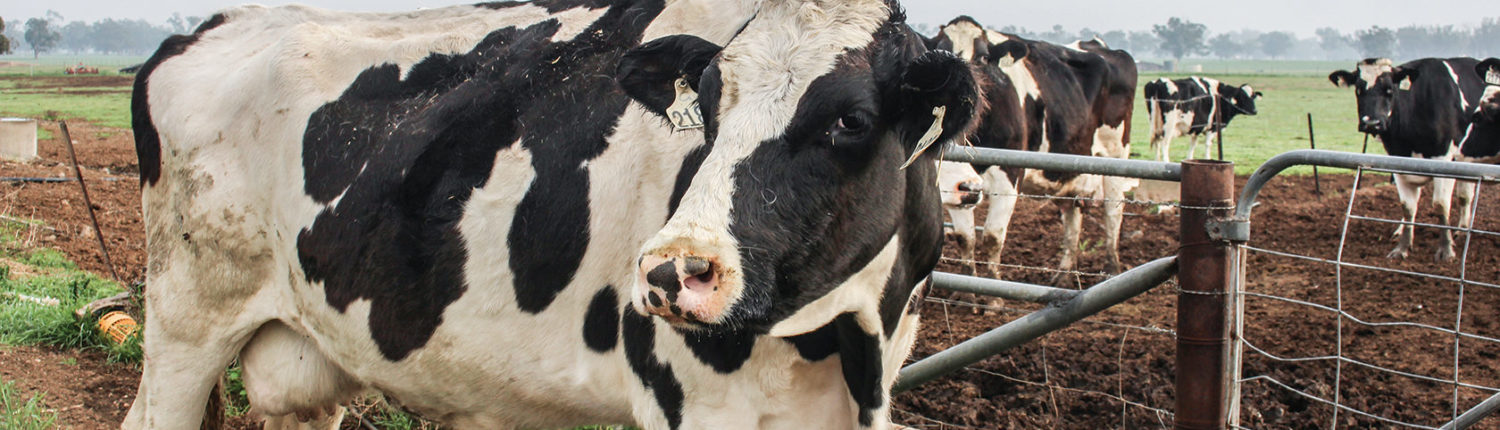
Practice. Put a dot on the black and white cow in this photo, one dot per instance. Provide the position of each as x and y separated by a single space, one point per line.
1481 143
1194 107
502 215
1419 109
1073 99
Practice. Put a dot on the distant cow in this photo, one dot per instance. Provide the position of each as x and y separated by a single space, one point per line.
1481 142
1043 97
1419 109
1194 107
682 214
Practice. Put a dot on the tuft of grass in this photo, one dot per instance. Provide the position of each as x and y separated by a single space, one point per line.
27 323
18 412
106 109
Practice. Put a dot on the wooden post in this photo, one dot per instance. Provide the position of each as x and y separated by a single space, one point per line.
1205 377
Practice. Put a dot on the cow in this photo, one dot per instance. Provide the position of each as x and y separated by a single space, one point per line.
1418 109
1194 107
1074 99
668 214
1481 142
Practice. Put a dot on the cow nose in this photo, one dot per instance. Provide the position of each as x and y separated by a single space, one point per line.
681 289
970 193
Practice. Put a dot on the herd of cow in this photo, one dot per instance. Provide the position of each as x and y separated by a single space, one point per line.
665 213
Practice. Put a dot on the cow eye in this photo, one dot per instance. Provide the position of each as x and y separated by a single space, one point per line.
851 125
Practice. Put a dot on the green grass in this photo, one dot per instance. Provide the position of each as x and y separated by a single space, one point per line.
106 109
18 412
1280 126
51 275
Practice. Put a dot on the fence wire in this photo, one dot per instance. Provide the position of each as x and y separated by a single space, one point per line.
1344 390
1054 376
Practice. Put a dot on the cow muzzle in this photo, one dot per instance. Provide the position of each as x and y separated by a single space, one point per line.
970 193
685 290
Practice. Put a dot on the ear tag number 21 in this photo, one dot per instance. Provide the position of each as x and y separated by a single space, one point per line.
684 112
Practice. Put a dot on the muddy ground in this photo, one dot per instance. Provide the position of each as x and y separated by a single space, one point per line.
1071 379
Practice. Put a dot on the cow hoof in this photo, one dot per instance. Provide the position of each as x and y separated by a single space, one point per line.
1445 255
1397 254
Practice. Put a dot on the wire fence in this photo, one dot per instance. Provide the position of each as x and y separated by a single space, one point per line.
1390 343
1120 357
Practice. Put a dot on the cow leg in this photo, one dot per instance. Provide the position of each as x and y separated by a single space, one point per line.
187 348
963 233
1192 147
1072 216
1409 188
1002 207
1442 197
1208 145
1114 216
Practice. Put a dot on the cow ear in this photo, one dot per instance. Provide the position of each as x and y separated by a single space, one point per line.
1343 78
940 101
1258 95
649 73
1008 53
1489 70
1404 76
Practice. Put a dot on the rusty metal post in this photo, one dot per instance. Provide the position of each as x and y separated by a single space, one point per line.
1205 378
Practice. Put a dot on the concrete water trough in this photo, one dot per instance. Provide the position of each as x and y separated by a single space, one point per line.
18 139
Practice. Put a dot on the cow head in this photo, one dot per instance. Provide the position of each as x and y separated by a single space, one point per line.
1489 104
965 37
1376 83
960 185
810 114
1243 98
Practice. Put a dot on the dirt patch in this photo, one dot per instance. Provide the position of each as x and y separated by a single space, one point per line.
84 390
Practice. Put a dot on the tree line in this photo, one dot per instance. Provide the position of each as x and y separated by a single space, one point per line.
50 33
1180 38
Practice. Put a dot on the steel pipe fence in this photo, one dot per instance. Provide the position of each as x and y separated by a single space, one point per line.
1353 324
1059 306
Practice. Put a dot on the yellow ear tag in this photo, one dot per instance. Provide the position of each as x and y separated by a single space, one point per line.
684 112
931 137
1406 84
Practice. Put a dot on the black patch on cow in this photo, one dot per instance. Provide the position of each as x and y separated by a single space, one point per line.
859 354
405 155
553 6
147 141
601 325
725 351
640 341
818 344
664 276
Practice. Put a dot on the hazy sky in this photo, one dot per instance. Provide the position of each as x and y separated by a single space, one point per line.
1301 16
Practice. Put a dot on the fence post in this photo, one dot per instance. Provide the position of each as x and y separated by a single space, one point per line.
1205 379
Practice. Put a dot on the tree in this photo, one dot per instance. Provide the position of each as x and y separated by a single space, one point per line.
1485 36
4 41
1376 42
1180 37
1144 43
1331 40
40 36
1224 46
1276 43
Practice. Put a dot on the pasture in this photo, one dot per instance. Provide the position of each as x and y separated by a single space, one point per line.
1112 371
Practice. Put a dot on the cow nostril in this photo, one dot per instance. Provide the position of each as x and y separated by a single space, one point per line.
968 186
696 266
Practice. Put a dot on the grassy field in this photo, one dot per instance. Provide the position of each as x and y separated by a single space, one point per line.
1281 124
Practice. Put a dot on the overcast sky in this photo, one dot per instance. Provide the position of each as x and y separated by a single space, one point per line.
1300 16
